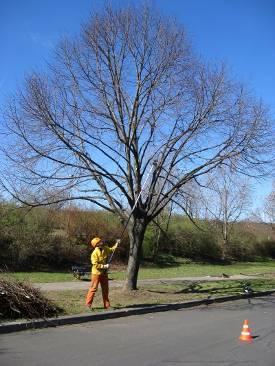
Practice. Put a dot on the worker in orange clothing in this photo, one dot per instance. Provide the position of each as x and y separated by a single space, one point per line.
99 275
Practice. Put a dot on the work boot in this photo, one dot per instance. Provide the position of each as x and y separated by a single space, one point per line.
106 304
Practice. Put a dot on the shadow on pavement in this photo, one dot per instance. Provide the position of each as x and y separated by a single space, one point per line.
261 302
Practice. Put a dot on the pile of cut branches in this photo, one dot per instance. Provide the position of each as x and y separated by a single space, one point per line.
21 300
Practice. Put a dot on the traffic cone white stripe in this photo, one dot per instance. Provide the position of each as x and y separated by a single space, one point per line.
246 333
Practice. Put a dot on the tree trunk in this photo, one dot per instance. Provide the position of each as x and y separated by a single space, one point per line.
136 233
225 240
156 245
223 249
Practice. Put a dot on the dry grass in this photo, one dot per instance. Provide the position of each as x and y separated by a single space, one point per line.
73 302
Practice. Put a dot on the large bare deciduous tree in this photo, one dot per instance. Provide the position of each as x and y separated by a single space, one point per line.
127 93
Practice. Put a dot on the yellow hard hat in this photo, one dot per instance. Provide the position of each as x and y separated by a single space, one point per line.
95 241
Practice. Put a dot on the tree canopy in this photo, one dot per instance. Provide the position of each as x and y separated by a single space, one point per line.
127 93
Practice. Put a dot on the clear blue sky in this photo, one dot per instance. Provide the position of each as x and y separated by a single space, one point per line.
239 32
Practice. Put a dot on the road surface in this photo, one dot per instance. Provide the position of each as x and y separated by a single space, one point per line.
207 336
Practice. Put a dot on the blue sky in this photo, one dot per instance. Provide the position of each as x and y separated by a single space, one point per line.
238 32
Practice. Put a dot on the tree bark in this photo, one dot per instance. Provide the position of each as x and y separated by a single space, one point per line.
136 233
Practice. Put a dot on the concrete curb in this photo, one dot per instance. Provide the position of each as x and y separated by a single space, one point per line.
87 317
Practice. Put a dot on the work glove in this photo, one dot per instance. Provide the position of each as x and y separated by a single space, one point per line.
117 243
106 266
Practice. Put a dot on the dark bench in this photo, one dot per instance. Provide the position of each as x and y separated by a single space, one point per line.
80 271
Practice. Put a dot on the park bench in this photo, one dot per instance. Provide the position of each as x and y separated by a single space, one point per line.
80 271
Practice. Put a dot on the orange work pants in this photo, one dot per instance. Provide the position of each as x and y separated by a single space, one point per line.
101 279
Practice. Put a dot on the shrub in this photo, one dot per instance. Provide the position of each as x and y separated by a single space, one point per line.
186 240
266 248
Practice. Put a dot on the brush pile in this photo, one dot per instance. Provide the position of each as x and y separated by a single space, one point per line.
21 300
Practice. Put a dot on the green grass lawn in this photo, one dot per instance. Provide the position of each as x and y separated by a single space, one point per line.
73 302
196 269
155 272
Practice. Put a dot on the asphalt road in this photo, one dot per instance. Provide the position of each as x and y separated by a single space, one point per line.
207 335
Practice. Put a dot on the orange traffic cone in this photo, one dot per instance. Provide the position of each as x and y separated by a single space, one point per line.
246 333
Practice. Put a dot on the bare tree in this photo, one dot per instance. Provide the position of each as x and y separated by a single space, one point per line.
127 93
188 199
269 207
227 197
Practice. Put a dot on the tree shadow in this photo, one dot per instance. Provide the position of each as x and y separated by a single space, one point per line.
196 288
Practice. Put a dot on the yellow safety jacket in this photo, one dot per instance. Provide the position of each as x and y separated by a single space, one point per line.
99 258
